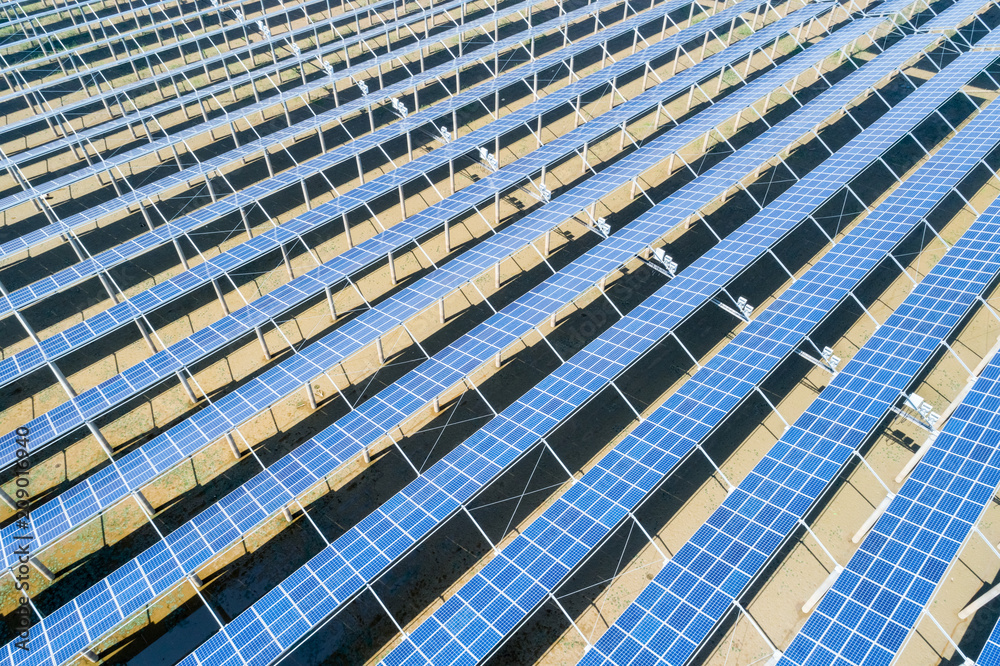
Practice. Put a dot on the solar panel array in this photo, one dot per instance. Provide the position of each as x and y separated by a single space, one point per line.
111 484
880 595
398 236
66 77
734 544
352 561
526 571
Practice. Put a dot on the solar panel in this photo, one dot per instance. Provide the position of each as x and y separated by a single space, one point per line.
246 150
544 554
990 656
95 401
879 596
955 15
678 610
341 570
73 626
55 517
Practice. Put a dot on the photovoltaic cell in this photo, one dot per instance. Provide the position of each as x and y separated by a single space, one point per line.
36 56
678 610
72 627
96 401
520 578
338 572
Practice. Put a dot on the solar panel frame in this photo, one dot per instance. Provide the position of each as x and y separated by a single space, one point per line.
545 553
69 415
330 578
663 624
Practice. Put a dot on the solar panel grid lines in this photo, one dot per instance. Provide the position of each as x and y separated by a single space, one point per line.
76 108
391 531
64 418
511 586
89 24
990 654
900 564
677 611
152 147
151 112
345 439
233 202
956 14
106 486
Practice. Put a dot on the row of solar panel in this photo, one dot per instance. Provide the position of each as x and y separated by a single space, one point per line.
245 151
36 55
690 595
106 486
67 416
143 303
248 506
549 549
966 266
880 595
176 228
694 591
164 79
273 623
147 114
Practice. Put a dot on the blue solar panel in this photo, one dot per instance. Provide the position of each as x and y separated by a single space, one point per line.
341 570
695 590
879 596
176 227
549 549
242 510
990 656
70 415
121 314
164 78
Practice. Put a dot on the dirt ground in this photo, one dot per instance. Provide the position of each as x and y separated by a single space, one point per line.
420 583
